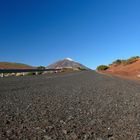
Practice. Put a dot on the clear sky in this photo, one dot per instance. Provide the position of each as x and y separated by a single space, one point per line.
92 32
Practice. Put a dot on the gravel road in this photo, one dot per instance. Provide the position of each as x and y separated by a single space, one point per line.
76 106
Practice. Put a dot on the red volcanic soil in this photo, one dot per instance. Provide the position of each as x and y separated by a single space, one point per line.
9 65
131 71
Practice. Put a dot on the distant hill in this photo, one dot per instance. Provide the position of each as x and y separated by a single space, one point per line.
67 63
10 65
129 68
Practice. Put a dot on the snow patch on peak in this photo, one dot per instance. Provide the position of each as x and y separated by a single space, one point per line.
69 59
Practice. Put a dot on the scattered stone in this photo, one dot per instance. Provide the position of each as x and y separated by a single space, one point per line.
46 137
7 122
73 136
86 136
70 118
48 128
62 122
64 131
110 137
99 139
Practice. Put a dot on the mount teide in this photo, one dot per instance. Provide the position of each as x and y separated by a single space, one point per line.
67 63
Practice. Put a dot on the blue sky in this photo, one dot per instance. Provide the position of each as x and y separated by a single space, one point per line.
93 32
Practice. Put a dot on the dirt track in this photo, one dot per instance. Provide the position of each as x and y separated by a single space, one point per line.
76 106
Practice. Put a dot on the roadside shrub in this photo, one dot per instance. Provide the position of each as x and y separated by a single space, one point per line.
125 62
40 73
31 73
131 60
117 62
102 67
41 68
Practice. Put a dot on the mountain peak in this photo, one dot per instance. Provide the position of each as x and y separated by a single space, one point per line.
67 63
68 59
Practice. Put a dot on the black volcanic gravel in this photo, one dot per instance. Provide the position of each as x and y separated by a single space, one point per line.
75 106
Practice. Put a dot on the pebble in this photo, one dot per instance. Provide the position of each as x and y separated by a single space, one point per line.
46 137
64 131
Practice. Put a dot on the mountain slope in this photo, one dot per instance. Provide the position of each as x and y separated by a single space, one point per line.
131 70
10 65
66 63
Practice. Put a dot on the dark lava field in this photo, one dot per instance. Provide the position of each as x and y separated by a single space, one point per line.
76 106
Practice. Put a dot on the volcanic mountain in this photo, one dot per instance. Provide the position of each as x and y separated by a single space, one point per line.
67 63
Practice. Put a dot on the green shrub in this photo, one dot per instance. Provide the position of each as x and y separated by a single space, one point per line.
41 68
40 72
31 73
125 62
117 62
131 60
102 67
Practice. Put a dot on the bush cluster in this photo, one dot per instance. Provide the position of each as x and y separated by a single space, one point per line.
102 67
125 62
131 60
118 62
31 73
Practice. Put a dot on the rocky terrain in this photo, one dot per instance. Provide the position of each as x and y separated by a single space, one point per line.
76 106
